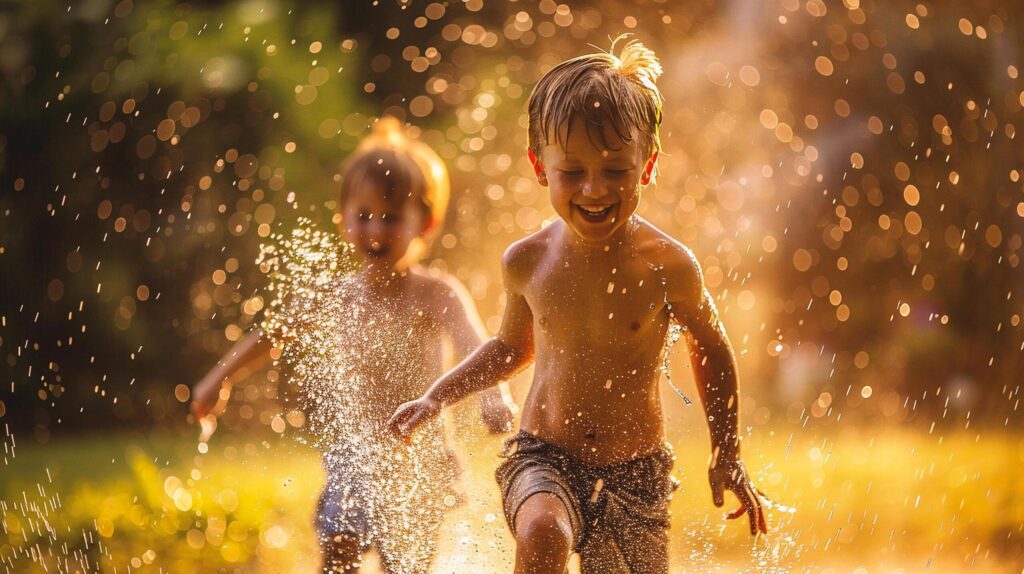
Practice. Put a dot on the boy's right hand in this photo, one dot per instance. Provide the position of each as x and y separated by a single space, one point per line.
205 396
411 415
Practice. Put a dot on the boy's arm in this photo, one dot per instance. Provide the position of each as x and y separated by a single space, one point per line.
250 352
466 331
714 367
500 357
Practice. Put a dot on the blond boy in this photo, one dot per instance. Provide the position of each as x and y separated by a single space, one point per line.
590 299
397 318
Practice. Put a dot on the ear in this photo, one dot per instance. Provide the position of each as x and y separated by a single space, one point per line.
429 224
538 168
648 174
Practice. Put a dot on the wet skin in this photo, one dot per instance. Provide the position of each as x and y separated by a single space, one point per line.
595 391
596 347
425 312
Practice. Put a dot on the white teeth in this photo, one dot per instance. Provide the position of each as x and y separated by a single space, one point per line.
594 209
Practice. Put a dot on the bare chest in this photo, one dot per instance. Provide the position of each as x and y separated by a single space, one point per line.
374 333
602 303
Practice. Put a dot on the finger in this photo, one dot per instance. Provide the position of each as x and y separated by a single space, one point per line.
736 513
413 420
397 420
762 519
746 500
717 493
756 511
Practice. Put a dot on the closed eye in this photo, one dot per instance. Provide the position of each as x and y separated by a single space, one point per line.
571 172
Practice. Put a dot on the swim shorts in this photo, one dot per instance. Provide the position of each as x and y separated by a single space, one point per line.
391 499
619 513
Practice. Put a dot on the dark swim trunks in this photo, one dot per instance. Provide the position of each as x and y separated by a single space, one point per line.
619 513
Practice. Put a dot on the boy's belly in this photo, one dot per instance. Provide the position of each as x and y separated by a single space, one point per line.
597 426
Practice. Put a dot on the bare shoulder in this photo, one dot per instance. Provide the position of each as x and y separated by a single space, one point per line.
677 262
434 285
521 258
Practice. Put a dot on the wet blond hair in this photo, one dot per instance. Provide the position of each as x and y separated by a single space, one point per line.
600 89
401 166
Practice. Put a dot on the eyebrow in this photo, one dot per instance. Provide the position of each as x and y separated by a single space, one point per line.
611 157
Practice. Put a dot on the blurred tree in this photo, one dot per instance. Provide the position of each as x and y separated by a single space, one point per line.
147 151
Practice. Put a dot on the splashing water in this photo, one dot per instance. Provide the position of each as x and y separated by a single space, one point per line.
354 361
672 336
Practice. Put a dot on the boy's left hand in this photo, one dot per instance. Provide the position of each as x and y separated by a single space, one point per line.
496 414
731 475
412 414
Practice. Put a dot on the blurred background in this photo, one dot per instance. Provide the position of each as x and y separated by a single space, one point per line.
847 173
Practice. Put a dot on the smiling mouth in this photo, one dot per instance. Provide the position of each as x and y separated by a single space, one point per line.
595 213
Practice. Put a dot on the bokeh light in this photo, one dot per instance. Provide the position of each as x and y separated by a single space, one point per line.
847 174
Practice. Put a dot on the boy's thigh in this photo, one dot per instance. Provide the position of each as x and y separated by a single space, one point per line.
341 513
534 490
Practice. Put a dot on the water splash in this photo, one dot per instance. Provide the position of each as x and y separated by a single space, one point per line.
353 361
672 336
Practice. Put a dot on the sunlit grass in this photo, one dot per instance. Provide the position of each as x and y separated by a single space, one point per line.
882 500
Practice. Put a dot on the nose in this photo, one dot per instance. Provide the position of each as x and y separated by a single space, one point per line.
593 188
374 230
590 187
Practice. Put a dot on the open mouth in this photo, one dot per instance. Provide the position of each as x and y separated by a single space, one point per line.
596 213
377 251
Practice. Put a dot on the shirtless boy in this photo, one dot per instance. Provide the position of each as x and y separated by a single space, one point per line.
397 319
590 299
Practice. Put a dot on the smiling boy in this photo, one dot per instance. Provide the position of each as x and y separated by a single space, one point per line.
590 300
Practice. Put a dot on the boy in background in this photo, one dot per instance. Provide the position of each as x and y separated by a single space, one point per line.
590 299
394 321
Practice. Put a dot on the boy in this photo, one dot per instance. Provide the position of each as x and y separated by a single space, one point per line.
590 299
392 320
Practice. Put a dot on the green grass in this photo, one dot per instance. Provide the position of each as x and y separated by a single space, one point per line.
883 500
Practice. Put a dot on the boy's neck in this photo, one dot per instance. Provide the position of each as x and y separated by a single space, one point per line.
612 244
385 279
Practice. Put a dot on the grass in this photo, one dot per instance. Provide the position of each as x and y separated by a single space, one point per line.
866 500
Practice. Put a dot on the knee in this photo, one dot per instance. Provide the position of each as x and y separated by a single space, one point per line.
543 524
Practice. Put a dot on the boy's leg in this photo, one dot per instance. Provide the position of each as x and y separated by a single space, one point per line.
340 519
544 535
412 547
541 508
342 553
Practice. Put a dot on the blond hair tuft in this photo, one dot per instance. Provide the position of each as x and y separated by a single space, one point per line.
602 89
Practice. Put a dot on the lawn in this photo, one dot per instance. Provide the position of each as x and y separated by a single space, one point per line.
865 500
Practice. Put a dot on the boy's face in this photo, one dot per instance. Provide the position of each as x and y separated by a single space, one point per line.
381 228
594 188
